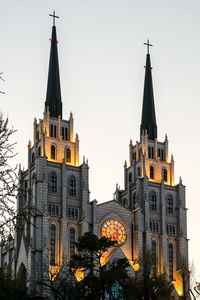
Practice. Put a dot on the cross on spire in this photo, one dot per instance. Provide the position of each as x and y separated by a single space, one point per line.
54 16
147 44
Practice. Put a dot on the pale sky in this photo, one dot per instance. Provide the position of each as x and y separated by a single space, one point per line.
102 58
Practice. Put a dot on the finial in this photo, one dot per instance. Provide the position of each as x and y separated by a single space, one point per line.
54 16
83 158
147 44
125 164
180 180
131 142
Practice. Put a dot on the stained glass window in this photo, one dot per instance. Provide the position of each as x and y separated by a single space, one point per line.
115 231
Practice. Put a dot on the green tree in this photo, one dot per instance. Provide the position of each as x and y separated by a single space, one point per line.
147 283
11 288
8 180
99 278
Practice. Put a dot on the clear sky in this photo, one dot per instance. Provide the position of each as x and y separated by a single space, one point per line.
102 60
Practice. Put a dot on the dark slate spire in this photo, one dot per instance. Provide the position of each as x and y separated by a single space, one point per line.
148 121
53 97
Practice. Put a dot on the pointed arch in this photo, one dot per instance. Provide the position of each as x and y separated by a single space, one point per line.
152 201
72 185
165 175
169 204
53 151
151 172
68 155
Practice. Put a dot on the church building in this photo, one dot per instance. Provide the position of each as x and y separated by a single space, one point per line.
149 213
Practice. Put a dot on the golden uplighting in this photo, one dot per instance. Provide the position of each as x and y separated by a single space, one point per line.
135 266
178 287
104 260
79 274
53 272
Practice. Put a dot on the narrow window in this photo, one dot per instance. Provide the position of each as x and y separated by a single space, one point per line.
51 130
158 152
165 175
68 155
39 151
33 157
53 152
149 152
54 131
139 171
66 135
170 207
53 182
153 204
68 211
162 155
151 172
76 213
72 241
72 186
153 250
150 225
171 260
130 177
53 245
57 210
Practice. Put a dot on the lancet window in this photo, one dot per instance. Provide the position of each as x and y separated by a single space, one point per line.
153 202
52 182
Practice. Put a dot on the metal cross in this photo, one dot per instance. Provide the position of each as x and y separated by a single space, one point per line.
54 16
147 44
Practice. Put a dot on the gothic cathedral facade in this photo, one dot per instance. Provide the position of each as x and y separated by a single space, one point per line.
149 213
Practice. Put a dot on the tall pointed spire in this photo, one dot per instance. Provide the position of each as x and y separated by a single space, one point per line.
148 121
53 97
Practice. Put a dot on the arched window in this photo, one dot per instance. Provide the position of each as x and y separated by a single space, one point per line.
130 177
165 175
153 250
72 186
138 171
72 241
68 155
170 260
52 182
52 245
151 172
153 204
39 151
170 208
53 152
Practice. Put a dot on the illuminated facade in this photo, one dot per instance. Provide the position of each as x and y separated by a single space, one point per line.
149 212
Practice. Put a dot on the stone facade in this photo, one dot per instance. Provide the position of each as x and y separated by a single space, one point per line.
151 207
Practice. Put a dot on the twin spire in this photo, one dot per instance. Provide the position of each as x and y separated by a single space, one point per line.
53 102
148 122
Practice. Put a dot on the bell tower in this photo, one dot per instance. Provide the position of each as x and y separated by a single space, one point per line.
157 202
